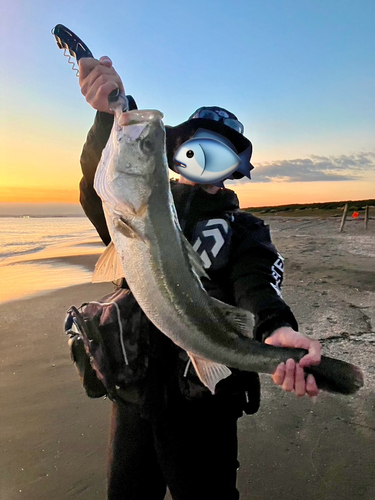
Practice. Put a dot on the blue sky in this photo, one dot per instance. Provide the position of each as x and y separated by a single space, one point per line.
299 74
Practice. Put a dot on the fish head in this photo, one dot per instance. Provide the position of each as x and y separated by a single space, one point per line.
132 161
190 160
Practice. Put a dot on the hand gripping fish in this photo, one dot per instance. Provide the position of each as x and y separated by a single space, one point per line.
163 271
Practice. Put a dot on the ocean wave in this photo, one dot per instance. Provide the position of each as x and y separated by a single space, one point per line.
22 237
59 237
13 253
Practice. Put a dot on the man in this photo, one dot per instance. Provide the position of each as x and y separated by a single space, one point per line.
170 430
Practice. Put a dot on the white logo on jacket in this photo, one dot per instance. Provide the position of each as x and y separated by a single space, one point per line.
211 240
277 274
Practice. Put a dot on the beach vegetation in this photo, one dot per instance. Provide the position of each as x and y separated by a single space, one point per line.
332 208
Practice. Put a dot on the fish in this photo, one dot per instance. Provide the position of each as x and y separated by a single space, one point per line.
206 159
163 271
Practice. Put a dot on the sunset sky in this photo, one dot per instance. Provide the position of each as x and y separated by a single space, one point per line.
300 75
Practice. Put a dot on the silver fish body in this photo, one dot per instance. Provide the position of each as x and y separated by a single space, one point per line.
163 271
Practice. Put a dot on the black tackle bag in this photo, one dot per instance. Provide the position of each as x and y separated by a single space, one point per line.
108 342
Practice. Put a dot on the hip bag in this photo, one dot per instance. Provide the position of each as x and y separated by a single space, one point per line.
108 342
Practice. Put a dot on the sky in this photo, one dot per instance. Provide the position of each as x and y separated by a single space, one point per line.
299 74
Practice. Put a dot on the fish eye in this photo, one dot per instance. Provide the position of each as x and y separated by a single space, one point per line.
190 153
147 146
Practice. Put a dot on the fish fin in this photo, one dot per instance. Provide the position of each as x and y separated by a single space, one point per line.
209 372
194 259
142 209
108 267
127 229
242 318
245 165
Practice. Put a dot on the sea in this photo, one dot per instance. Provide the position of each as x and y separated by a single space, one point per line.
40 254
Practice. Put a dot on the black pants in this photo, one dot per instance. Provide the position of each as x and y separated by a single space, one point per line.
191 447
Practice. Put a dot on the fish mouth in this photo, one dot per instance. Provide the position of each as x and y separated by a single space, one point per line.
180 164
137 117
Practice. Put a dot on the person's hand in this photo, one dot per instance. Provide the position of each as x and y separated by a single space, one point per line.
290 375
97 80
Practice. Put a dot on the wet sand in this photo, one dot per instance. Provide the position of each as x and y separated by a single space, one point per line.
53 438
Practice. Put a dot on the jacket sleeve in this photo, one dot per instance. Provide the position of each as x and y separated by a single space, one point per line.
92 150
256 275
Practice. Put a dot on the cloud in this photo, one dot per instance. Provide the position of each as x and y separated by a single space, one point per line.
316 168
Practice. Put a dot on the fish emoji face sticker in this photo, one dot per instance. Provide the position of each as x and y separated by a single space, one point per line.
206 158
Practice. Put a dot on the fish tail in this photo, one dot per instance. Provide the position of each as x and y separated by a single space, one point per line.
334 375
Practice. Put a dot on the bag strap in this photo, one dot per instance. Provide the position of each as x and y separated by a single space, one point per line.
119 325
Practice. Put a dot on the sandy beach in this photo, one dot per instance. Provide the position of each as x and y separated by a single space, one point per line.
54 438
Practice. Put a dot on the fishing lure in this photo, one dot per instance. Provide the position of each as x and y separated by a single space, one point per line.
74 47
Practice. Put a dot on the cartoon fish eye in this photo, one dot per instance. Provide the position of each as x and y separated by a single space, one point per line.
190 153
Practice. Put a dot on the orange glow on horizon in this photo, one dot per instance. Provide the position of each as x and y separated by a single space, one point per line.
38 195
287 193
39 167
250 195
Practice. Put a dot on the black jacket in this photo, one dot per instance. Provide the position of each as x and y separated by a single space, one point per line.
244 267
